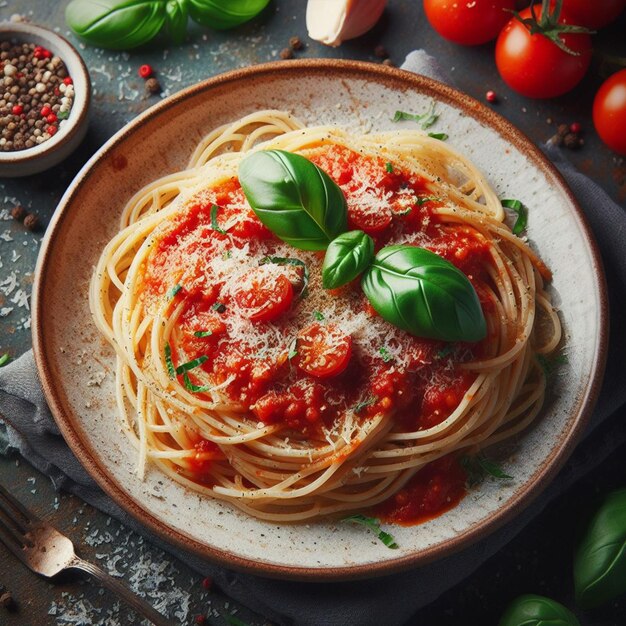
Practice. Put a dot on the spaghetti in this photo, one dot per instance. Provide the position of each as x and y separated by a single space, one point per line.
241 378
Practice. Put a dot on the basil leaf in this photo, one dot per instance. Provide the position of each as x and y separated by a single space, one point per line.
177 14
422 293
223 14
294 198
363 404
600 558
533 610
520 210
185 367
440 136
171 372
203 333
4 359
478 467
346 257
426 119
116 24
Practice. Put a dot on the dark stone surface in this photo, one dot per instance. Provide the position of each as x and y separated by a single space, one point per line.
538 561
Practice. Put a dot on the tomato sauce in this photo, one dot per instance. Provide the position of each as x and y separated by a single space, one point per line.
435 489
309 391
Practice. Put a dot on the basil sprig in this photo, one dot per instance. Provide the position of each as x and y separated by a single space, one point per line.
294 198
346 257
410 287
422 293
116 24
223 14
534 610
600 559
373 524
125 24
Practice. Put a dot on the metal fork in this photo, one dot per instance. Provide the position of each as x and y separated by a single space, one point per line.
47 552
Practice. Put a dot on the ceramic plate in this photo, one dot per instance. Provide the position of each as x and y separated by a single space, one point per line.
76 367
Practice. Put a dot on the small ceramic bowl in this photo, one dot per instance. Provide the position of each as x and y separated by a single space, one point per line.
54 150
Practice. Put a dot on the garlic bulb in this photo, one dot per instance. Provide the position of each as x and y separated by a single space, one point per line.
334 21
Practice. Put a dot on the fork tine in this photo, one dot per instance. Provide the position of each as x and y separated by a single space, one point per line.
11 541
18 506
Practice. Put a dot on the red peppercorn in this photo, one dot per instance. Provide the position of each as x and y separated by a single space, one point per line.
145 71
200 619
45 110
51 130
47 54
207 583
51 119
17 109
575 127
68 80
491 96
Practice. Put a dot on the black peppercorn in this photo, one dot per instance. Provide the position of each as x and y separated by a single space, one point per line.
31 222
296 43
153 86
18 212
571 141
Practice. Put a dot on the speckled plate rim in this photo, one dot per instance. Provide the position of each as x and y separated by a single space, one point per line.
397 79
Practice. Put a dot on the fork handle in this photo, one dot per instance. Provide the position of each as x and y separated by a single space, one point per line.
133 600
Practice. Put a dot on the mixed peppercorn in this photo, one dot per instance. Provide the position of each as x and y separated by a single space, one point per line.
36 96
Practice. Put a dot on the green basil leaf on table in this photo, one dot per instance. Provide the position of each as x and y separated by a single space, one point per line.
177 15
520 210
294 198
116 24
422 293
600 558
347 256
533 610
223 14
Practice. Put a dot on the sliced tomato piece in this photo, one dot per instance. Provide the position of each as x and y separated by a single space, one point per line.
263 295
370 221
323 351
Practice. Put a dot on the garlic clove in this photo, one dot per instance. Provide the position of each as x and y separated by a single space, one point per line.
334 21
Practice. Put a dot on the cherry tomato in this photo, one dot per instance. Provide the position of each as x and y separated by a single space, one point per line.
535 66
263 296
468 22
593 14
370 221
323 351
609 112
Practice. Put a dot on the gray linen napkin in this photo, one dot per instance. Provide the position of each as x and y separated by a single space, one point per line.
390 600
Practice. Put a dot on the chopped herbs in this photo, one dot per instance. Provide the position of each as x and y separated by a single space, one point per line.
478 467
234 621
389 167
293 349
220 307
227 254
194 388
549 365
278 260
173 291
171 372
385 354
426 120
444 352
440 136
359 406
214 223
203 333
185 367
424 199
4 359
520 210
318 316
373 524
